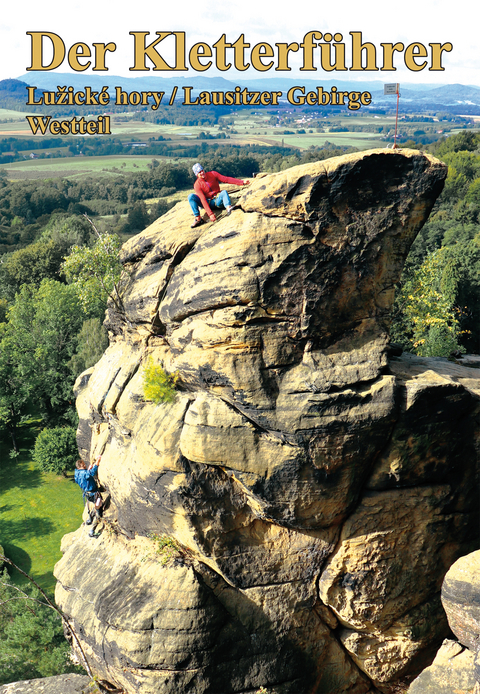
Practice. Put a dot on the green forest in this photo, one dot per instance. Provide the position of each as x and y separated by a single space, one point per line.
59 248
437 307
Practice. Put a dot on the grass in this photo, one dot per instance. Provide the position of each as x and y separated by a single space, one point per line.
165 549
14 120
77 166
6 113
351 139
36 510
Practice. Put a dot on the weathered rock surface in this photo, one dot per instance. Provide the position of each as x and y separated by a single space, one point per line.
61 684
456 668
452 672
461 600
318 492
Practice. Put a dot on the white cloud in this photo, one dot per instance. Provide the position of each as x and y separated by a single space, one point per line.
270 21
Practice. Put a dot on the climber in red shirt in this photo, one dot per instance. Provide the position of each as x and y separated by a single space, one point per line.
208 194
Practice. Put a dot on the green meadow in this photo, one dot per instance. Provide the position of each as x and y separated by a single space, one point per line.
16 117
349 139
36 510
78 166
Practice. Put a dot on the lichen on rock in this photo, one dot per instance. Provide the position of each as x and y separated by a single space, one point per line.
315 489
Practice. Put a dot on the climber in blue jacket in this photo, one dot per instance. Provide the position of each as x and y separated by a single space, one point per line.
85 478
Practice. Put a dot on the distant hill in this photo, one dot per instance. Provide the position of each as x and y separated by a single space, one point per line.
456 98
447 95
13 94
50 81
13 88
456 91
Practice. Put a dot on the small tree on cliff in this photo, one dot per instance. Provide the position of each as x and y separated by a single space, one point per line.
92 342
158 385
95 272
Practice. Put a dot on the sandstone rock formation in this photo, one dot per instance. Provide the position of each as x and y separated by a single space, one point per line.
315 492
461 600
61 684
452 672
456 668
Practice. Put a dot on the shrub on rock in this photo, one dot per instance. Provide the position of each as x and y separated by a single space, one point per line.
158 385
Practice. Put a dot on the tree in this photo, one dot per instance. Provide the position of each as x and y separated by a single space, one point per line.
465 163
14 392
56 449
95 272
461 278
452 230
456 184
473 193
138 217
92 341
159 208
32 264
426 321
46 655
68 230
15 389
465 140
3 310
32 643
38 342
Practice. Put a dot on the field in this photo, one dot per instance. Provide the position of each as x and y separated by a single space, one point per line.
13 120
304 141
36 510
76 166
291 129
300 129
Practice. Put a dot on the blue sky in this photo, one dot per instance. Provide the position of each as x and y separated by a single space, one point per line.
268 21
